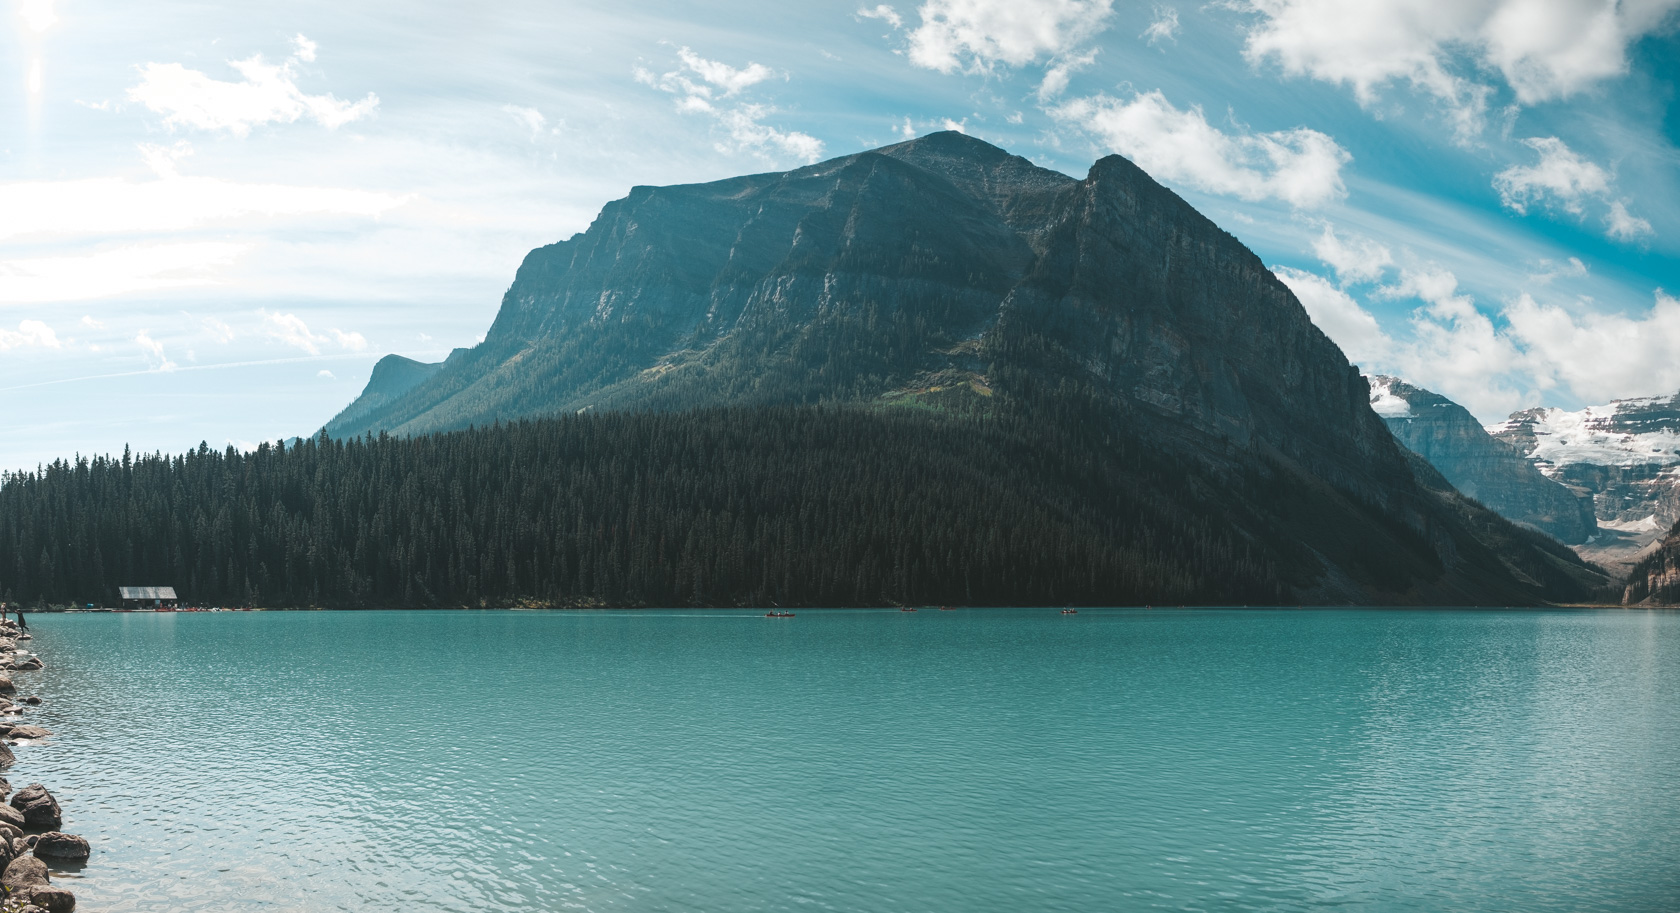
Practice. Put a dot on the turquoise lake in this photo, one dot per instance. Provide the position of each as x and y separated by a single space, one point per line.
968 761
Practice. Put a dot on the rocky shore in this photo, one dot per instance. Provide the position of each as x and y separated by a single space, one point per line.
30 822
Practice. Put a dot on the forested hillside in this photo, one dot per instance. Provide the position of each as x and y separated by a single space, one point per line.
784 505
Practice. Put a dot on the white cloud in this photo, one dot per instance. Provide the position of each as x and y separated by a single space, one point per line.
1164 27
325 374
293 331
884 13
117 271
218 330
1341 318
170 203
1353 259
267 93
977 35
532 119
1560 175
1601 356
92 324
1056 78
743 121
154 349
1544 49
1624 226
1301 167
1564 179
1548 270
29 334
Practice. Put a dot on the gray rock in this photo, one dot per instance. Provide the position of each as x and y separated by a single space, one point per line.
7 759
6 685
56 845
8 833
25 872
29 732
52 900
40 809
32 700
13 817
32 664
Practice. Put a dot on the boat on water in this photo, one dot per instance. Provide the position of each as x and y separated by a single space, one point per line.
778 614
1070 611
906 609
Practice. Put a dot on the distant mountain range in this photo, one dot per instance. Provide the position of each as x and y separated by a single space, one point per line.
947 276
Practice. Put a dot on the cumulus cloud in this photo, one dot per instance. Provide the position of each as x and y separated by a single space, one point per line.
1353 259
1341 318
1543 49
29 334
1601 356
291 330
1564 179
1164 27
1301 167
977 35
116 271
265 94
706 87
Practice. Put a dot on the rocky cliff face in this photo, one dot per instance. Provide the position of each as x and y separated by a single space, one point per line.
946 266
1491 470
1625 456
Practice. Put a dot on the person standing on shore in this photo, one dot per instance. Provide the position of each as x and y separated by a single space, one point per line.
22 625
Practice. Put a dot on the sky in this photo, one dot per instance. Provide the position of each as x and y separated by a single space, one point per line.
215 218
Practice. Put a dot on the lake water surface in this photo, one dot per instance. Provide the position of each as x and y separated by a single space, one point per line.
952 762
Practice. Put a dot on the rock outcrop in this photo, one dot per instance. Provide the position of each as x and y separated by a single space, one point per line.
40 810
1655 579
1481 466
56 845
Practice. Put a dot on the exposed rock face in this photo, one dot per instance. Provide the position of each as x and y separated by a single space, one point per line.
40 810
1482 467
1625 456
1655 580
947 259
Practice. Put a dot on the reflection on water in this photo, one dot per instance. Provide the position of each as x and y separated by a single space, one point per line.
865 761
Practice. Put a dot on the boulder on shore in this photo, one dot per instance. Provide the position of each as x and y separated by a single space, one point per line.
13 817
40 809
6 686
32 664
7 759
29 732
56 845
24 872
53 900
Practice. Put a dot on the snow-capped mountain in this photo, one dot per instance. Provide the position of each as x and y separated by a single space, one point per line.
1626 455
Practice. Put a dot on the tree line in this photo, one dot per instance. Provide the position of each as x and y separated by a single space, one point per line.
781 505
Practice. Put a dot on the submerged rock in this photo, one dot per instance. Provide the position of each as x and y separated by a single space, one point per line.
6 685
40 809
32 700
56 845
32 664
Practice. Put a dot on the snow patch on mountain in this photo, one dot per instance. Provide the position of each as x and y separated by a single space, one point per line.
1594 435
1384 401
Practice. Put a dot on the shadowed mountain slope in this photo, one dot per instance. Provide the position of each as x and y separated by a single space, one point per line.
944 273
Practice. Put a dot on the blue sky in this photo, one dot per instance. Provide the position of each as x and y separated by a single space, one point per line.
215 219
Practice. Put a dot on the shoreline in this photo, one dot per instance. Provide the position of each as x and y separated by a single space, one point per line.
31 844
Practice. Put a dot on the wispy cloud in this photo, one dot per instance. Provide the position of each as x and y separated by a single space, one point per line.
1564 179
1163 28
1301 167
115 271
291 330
266 94
709 87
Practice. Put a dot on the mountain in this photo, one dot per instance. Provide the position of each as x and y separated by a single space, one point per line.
1655 579
1481 466
392 377
946 275
1624 455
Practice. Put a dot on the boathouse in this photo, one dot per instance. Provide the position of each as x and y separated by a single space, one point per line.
147 597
